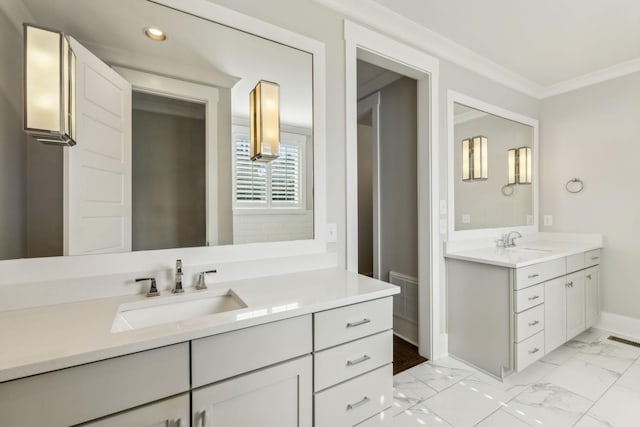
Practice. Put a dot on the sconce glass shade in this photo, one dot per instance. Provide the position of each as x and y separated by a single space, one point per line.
524 166
49 86
520 166
475 153
264 114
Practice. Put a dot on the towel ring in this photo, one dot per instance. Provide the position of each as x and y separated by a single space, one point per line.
508 190
574 185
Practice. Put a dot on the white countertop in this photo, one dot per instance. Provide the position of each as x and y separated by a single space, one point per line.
525 253
47 338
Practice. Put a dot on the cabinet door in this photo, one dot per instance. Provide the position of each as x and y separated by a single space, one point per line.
555 322
173 412
278 396
592 295
575 304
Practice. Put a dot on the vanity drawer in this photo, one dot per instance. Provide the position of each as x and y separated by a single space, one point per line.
529 297
529 350
226 355
529 322
575 262
592 258
538 273
86 392
355 400
346 361
337 326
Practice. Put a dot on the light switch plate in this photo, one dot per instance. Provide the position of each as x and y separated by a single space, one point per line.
332 232
443 226
443 207
529 219
548 220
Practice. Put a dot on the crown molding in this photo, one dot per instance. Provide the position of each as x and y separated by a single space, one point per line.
370 13
17 12
589 79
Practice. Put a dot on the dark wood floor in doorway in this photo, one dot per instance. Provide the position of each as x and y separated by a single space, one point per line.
405 355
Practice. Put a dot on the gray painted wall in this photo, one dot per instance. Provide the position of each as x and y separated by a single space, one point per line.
592 133
168 181
12 144
398 178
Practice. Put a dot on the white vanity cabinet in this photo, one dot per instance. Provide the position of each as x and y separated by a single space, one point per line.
551 302
172 412
353 354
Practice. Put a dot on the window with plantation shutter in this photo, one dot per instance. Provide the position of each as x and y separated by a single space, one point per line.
278 184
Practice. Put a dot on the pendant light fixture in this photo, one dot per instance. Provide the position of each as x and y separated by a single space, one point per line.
264 117
475 153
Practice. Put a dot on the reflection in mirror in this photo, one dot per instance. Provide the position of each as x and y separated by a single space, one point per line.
162 155
490 201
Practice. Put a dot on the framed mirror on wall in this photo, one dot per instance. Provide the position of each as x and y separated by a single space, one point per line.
493 169
163 122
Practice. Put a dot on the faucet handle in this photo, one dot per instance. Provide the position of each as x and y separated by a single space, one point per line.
153 290
201 284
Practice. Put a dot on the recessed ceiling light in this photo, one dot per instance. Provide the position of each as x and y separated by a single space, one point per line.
155 34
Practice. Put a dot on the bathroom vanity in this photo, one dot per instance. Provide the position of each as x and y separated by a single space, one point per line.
269 361
508 307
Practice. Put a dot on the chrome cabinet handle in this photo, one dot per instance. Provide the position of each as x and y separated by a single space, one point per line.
358 323
570 284
593 258
588 276
179 422
531 276
203 418
360 402
534 323
534 351
359 360
533 298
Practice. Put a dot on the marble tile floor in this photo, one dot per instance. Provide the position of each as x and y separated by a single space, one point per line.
588 382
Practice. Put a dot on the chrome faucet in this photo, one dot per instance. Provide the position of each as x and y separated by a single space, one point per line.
509 241
153 290
177 288
202 284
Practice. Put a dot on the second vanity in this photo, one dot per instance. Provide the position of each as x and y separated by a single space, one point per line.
318 339
508 307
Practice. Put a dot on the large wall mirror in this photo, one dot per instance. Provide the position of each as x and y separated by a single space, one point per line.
162 156
492 169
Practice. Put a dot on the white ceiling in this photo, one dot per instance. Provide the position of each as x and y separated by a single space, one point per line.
220 56
548 42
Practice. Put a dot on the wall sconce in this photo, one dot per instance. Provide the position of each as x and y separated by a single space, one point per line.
264 117
49 86
475 158
520 169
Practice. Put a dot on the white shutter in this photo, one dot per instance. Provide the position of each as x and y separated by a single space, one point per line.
250 177
285 176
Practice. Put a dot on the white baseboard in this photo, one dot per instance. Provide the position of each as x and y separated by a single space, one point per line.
629 327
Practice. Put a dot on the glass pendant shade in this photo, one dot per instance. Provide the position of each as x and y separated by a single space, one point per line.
475 153
520 165
512 155
264 105
49 86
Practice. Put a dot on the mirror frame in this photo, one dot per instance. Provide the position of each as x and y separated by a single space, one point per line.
453 234
48 269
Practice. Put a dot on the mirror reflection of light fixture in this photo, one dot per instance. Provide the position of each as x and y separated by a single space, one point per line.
475 153
264 117
49 86
520 166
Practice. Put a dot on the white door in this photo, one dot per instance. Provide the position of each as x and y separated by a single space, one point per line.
555 325
279 396
575 304
592 295
97 171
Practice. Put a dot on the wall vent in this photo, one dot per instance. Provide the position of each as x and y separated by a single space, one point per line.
405 304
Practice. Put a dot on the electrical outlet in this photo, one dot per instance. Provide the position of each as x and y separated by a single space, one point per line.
443 226
466 219
332 232
548 220
529 219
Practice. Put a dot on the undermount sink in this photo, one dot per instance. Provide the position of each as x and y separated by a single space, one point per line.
531 250
174 309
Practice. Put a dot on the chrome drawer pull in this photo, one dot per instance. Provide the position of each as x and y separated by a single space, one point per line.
570 284
533 298
361 402
533 275
534 351
179 422
358 323
204 418
534 323
588 276
593 258
360 360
